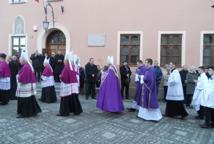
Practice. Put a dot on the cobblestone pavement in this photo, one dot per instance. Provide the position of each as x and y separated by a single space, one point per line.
94 126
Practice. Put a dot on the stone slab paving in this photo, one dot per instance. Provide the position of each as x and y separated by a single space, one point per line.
96 127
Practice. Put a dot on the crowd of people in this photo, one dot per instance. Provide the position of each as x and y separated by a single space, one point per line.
189 87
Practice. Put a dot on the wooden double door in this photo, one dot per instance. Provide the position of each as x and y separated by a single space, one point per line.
56 42
53 49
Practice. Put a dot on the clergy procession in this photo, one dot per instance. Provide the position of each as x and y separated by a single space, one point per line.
186 87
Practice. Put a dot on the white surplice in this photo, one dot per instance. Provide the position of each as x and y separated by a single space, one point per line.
208 99
175 89
200 91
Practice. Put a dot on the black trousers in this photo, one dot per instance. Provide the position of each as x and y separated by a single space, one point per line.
38 73
185 95
4 97
189 99
126 87
56 77
90 89
165 91
201 112
209 116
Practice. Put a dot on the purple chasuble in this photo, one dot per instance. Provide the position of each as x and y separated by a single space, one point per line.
150 99
67 75
4 69
26 75
47 71
138 92
109 97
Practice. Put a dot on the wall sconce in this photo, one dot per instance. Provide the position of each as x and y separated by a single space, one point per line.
35 28
62 9
45 23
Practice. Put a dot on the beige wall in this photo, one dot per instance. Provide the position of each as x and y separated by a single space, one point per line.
83 17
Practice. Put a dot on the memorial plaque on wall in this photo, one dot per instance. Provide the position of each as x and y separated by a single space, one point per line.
54 0
96 40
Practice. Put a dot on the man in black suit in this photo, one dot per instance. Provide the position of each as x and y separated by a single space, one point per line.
14 65
125 74
37 62
91 73
58 65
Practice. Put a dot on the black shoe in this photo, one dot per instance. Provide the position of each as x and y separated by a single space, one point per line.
93 98
199 117
131 109
204 126
77 114
183 117
3 103
19 116
62 115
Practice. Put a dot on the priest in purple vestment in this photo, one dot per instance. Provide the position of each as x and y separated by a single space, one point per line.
69 102
26 89
4 80
140 71
150 108
47 83
109 97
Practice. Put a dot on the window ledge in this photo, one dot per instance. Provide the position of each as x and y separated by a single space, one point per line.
15 3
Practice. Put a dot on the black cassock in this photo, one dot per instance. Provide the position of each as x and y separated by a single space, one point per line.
14 68
58 66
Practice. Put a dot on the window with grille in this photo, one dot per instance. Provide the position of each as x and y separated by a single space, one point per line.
17 1
18 38
18 43
208 49
171 47
129 48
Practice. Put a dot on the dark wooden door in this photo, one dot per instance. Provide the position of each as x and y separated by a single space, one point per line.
56 42
53 49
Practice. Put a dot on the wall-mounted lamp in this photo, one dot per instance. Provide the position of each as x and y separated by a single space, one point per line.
45 23
62 9
35 28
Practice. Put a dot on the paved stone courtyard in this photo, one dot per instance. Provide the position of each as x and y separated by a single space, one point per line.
96 127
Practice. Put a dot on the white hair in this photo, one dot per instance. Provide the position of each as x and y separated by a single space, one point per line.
24 56
110 60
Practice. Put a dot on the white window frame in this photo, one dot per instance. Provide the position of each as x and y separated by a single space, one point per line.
53 0
10 41
183 44
13 34
202 44
23 1
119 33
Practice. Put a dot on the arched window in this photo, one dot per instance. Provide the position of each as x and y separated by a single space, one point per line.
18 38
19 26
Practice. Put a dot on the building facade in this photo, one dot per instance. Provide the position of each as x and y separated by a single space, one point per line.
168 30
